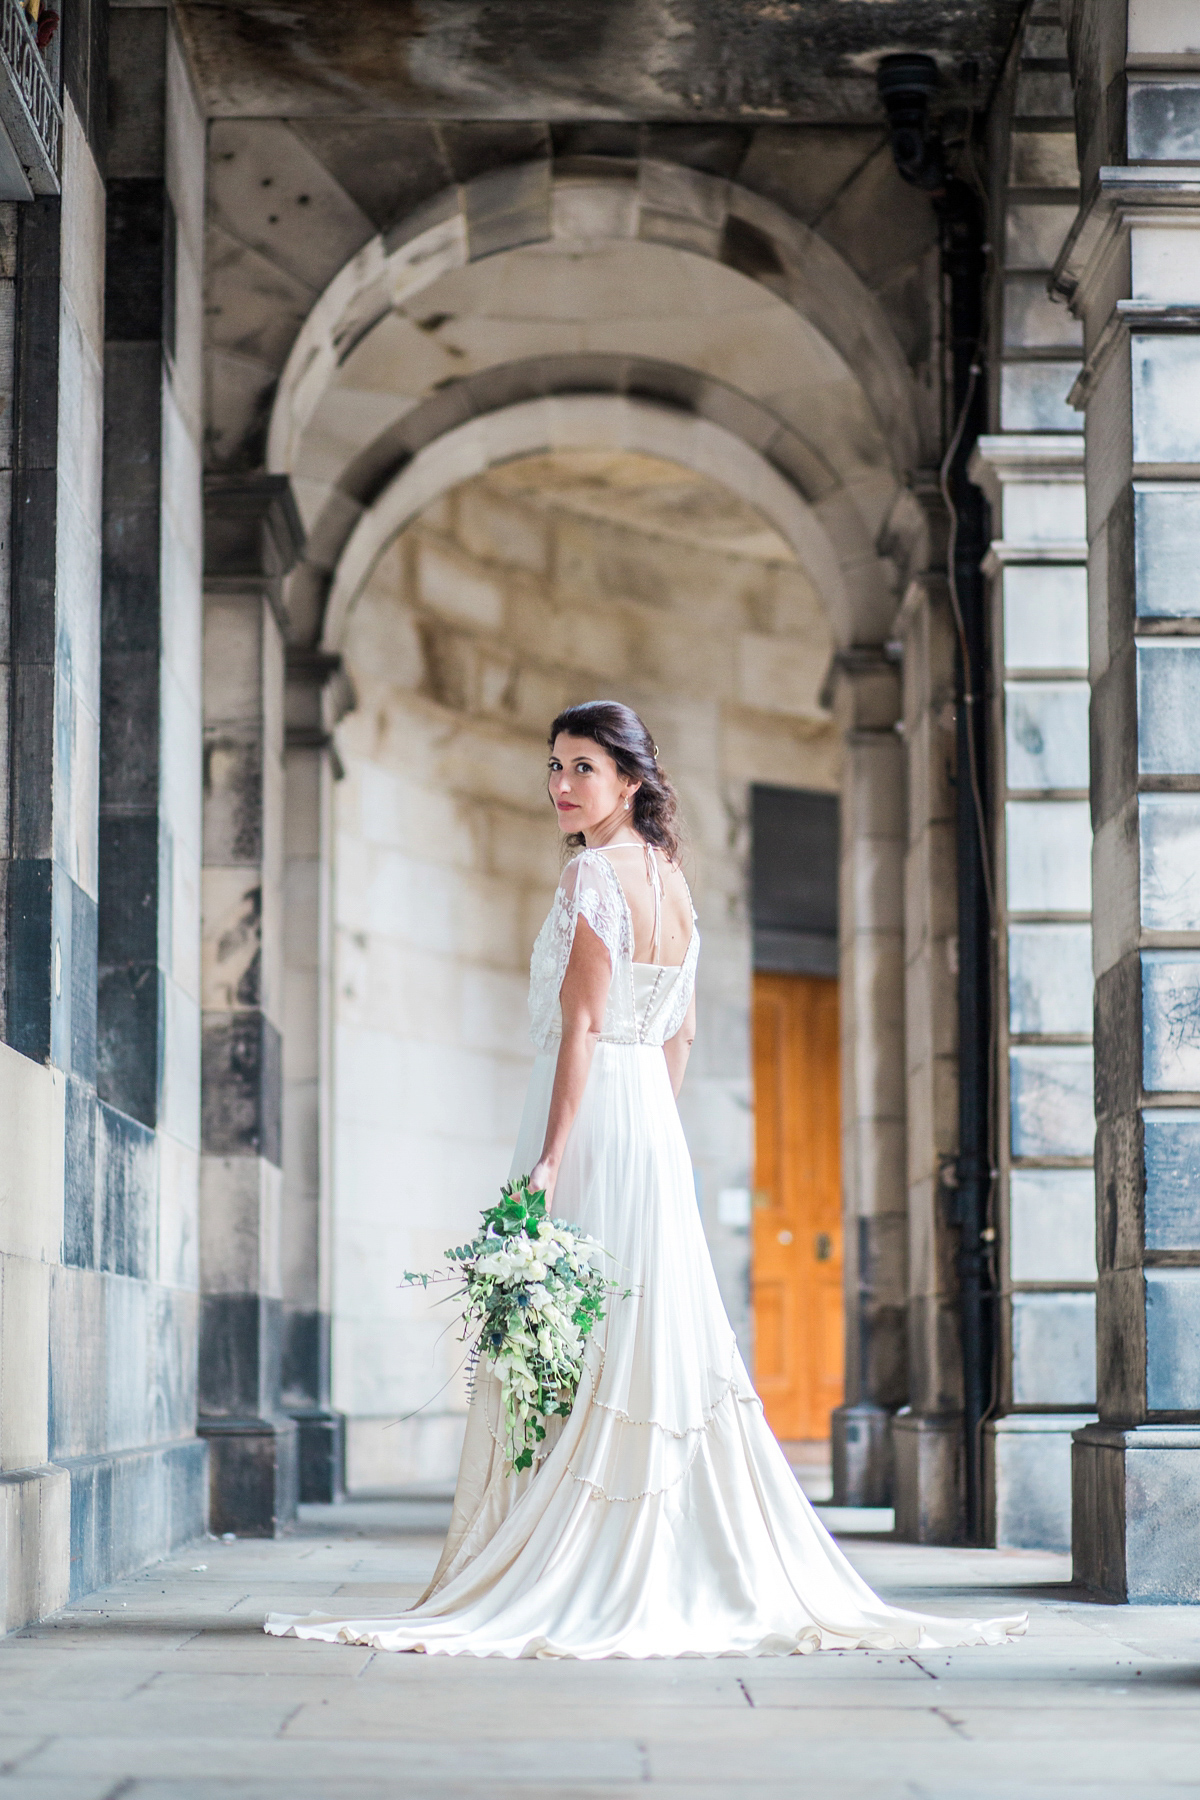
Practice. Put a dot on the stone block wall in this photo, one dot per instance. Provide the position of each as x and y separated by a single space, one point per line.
555 579
100 1467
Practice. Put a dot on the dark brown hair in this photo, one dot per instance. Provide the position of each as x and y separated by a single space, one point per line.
617 729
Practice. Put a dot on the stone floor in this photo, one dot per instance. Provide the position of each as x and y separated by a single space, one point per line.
164 1688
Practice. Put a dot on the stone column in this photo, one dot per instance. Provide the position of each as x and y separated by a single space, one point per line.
1045 1203
252 537
51 374
927 1433
871 966
1131 269
311 766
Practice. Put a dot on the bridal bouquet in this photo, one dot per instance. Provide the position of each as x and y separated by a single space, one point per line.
533 1289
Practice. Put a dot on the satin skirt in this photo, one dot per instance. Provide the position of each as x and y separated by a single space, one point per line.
662 1518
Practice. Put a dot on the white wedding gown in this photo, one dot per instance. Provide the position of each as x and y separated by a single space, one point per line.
661 1518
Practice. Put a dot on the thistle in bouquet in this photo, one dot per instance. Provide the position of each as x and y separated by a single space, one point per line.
534 1291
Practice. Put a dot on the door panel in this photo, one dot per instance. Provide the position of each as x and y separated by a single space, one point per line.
797 1248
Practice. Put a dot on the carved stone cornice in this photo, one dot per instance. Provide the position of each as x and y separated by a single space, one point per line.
1119 192
253 537
252 529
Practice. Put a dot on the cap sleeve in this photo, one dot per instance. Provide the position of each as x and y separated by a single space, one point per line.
590 890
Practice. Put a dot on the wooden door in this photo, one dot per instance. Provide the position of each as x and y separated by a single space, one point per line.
797 1267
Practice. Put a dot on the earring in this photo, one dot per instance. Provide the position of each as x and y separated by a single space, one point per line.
627 806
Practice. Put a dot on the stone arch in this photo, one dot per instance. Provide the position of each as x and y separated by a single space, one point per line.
769 336
584 422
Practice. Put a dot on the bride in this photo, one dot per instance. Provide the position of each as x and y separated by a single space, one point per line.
661 1518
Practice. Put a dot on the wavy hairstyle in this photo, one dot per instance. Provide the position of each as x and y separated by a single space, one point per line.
617 729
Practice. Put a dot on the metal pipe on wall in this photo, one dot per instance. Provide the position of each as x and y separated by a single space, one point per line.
906 85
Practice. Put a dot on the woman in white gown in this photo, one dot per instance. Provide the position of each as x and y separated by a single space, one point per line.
661 1518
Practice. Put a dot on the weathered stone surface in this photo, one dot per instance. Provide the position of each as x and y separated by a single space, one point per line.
547 61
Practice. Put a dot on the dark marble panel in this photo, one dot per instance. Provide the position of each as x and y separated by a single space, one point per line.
239 1355
30 975
135 258
133 377
304 1357
31 767
322 1457
130 1002
128 889
38 269
254 1475
1172 1169
126 1193
35 519
129 585
79 1175
242 1083
137 88
28 924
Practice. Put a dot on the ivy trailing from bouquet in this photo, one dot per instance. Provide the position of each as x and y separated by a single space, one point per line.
533 1290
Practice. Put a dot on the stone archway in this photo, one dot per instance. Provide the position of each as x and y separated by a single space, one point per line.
579 422
668 315
663 285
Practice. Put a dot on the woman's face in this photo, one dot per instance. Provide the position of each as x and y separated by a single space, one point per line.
586 786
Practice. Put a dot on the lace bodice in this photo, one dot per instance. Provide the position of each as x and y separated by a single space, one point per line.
646 1002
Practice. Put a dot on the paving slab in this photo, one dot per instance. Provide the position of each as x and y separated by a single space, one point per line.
164 1687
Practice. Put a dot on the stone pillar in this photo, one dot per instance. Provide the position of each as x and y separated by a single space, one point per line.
871 965
1131 268
51 375
311 766
927 1433
252 537
1045 1204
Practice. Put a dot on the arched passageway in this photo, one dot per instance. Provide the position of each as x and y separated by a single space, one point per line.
646 436
663 285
